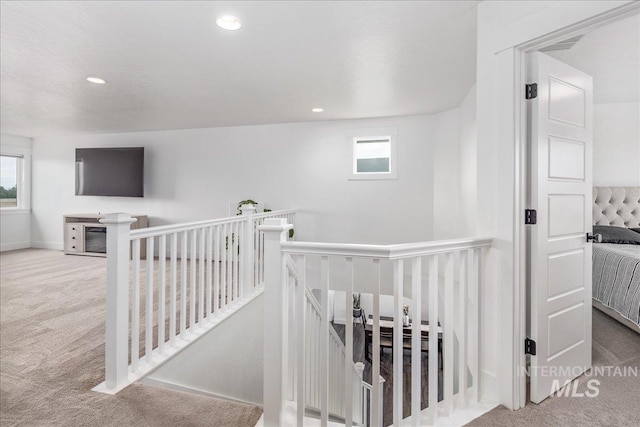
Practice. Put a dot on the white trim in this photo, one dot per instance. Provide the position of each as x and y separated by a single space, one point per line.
14 246
48 245
14 211
354 135
153 382
403 250
23 172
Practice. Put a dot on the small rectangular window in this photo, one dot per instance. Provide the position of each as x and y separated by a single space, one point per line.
9 180
374 156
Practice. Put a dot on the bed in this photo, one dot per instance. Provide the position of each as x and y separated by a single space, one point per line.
616 267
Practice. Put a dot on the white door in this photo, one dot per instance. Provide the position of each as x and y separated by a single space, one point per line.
560 191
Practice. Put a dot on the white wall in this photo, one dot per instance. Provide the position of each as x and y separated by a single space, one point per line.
446 175
467 163
194 174
219 363
616 144
15 224
454 170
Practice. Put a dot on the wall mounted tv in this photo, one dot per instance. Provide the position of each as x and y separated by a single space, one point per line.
110 172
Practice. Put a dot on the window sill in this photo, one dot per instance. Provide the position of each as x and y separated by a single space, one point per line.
14 211
372 176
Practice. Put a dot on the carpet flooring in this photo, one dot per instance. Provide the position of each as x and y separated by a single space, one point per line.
52 354
618 401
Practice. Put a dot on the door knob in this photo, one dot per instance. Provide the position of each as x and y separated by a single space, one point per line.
596 238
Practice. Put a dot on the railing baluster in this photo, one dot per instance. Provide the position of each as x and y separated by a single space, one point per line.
223 274
183 284
172 288
301 303
474 273
324 342
348 356
376 406
216 269
209 269
201 261
448 334
236 262
462 332
416 342
192 280
398 333
149 310
239 263
135 307
162 259
433 339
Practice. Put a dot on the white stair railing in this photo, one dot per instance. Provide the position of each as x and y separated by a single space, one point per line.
367 407
337 351
158 306
460 301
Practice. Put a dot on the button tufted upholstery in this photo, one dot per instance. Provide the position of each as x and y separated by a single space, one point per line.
618 206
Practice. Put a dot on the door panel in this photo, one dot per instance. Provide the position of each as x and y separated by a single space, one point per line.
566 273
560 190
566 214
566 159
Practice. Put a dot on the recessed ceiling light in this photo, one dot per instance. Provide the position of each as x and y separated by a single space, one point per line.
96 80
317 110
228 22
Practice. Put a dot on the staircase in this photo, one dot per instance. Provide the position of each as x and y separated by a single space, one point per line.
205 272
201 274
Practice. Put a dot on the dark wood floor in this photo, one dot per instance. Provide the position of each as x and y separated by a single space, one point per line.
386 371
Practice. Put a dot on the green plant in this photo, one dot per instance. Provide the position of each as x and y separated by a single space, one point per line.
246 202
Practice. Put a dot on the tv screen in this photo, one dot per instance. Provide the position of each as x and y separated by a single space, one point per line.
110 172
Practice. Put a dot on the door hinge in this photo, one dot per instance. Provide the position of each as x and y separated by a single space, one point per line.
529 346
531 90
530 216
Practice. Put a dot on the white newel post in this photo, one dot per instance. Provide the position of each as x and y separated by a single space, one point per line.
247 250
117 311
275 232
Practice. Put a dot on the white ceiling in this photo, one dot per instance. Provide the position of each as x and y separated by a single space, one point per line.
168 66
611 55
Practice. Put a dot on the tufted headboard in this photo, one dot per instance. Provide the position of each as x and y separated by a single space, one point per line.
618 206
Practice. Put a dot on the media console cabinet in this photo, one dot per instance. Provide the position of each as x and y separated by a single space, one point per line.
85 235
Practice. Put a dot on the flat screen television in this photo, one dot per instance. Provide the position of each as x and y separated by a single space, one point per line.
110 172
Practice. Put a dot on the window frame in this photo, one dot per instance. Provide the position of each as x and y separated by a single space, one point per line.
390 134
23 178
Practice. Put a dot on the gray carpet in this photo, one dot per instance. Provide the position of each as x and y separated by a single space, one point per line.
618 401
52 354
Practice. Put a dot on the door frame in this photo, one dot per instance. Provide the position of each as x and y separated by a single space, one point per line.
521 180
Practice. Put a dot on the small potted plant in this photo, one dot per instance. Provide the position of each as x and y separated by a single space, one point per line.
405 318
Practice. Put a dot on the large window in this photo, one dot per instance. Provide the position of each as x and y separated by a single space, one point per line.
10 181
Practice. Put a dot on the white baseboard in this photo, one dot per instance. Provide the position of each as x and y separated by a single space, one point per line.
172 386
14 246
48 245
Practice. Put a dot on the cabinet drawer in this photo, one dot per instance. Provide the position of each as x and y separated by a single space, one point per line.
74 238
